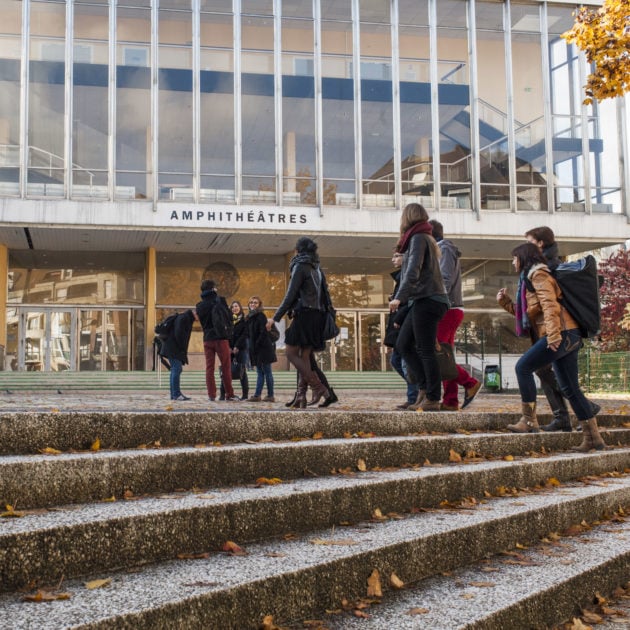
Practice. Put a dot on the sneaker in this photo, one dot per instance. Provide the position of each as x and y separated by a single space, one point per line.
444 407
181 397
269 399
470 394
233 399
254 399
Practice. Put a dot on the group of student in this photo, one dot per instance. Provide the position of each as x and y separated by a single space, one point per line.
426 309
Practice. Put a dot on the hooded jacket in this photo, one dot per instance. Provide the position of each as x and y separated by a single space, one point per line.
175 346
451 272
544 310
305 286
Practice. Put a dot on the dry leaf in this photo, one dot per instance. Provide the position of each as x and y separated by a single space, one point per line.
98 583
96 445
378 515
578 625
467 596
46 596
552 481
49 451
482 584
417 611
590 617
110 499
263 481
268 624
374 584
11 513
339 542
454 456
361 465
234 549
318 435
508 458
202 555
395 581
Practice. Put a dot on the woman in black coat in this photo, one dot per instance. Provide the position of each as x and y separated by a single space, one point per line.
239 346
262 349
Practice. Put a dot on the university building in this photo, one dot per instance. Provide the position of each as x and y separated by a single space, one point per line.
148 144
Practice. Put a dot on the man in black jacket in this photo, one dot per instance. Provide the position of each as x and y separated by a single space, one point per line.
213 343
175 349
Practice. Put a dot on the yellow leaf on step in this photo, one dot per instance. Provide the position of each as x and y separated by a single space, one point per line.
93 584
374 584
96 445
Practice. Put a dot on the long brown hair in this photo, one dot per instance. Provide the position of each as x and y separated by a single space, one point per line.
412 213
528 255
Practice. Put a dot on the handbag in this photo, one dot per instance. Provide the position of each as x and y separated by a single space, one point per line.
446 360
237 369
330 330
274 333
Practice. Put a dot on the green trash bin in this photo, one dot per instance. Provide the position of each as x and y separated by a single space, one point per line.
492 377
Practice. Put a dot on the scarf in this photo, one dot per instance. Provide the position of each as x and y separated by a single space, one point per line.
520 308
236 318
304 257
206 294
424 227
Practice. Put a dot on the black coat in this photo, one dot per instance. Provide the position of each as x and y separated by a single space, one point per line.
175 346
305 286
261 349
240 339
398 317
204 311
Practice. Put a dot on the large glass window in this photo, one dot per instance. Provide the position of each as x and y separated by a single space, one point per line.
10 32
133 104
298 113
46 103
217 108
90 101
415 105
492 107
175 105
454 105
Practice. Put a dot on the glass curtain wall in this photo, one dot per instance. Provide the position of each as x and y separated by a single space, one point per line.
338 119
454 104
90 100
415 103
46 100
134 170
493 91
10 67
175 101
378 187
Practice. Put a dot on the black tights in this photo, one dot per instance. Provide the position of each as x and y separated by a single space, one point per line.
302 359
317 370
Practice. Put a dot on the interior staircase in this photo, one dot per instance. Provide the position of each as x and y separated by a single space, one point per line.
256 519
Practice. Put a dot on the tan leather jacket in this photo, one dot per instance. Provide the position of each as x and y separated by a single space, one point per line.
544 310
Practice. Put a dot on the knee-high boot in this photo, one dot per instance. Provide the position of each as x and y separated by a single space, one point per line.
319 389
300 395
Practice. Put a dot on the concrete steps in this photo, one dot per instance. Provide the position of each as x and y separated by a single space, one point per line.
141 515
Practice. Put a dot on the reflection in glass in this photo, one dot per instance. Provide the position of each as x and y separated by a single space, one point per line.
59 341
11 349
371 346
90 341
345 345
117 341
34 341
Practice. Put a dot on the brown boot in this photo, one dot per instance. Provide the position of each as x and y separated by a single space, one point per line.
592 439
528 422
422 394
430 405
299 402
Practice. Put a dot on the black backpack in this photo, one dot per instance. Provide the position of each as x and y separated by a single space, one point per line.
579 283
222 320
164 329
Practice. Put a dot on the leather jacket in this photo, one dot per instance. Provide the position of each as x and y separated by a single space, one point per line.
544 310
420 272
304 290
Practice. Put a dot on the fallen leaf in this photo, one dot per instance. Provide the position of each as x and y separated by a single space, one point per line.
590 617
11 513
374 584
482 584
46 596
378 515
395 581
467 596
233 549
578 625
96 445
97 583
110 499
49 451
361 465
552 481
318 435
263 481
454 456
341 542
201 555
417 611
508 458
268 624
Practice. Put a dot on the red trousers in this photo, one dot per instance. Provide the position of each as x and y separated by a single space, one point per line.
220 348
447 327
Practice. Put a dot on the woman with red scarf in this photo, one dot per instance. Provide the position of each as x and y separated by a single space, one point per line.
421 284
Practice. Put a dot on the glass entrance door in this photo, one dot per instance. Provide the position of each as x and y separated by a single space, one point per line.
104 339
47 340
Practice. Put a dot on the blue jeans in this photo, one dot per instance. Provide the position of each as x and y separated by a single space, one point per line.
565 365
400 366
416 344
264 374
175 373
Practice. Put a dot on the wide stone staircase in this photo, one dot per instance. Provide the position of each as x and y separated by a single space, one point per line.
318 519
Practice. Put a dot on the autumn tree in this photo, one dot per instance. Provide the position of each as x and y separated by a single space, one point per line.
603 34
615 295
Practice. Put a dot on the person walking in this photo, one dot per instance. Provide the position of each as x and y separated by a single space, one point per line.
175 349
239 345
559 341
421 283
394 322
447 327
305 334
544 238
215 341
262 350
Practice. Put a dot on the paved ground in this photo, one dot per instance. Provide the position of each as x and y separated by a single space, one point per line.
348 400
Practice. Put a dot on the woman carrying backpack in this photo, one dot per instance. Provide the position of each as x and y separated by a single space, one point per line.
559 340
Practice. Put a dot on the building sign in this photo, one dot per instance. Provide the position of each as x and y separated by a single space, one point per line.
272 218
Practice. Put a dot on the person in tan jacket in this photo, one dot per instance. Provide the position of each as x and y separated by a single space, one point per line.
559 341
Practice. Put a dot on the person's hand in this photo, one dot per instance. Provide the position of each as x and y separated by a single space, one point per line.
553 345
501 294
396 325
393 306
269 324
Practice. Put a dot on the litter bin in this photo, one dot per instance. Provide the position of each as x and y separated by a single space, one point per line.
492 377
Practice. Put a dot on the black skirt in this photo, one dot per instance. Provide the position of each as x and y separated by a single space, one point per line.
306 330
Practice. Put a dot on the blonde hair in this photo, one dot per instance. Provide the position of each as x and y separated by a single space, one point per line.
255 297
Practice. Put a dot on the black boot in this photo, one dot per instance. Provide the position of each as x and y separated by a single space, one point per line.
560 422
292 401
332 398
